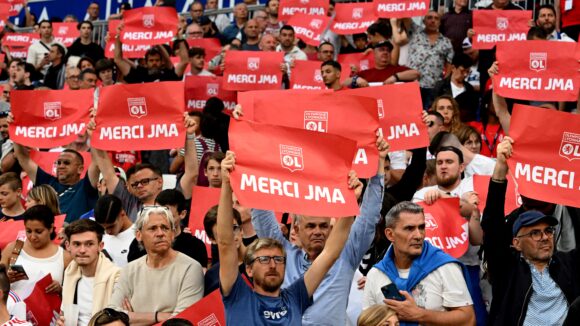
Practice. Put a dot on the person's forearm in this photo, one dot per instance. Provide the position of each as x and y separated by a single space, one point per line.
408 75
225 224
444 318
500 171
338 237
501 110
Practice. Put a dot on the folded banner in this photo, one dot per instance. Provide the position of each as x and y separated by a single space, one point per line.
47 118
65 33
494 26
401 8
288 170
353 117
309 28
352 18
248 70
208 311
205 198
546 161
445 228
538 70
149 25
198 89
130 51
400 110
355 61
513 199
289 8
306 75
41 307
140 117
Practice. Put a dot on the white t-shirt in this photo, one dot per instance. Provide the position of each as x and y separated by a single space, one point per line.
455 91
398 160
443 288
480 165
466 185
85 300
118 245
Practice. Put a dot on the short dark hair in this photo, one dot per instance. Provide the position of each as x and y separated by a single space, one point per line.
75 153
177 322
172 197
45 21
462 60
92 62
332 63
104 64
11 179
287 28
142 166
453 149
545 6
4 283
380 28
82 226
107 209
325 43
216 156
85 22
536 32
29 68
194 51
42 214
60 49
210 219
86 72
152 51
359 35
437 116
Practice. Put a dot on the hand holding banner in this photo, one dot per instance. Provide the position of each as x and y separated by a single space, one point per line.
309 28
513 199
306 75
287 170
494 26
288 8
149 25
360 61
199 89
246 99
352 18
401 8
546 161
129 50
537 70
47 118
145 116
246 70
208 311
445 228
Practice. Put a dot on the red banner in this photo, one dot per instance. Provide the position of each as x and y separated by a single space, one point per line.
65 33
445 228
401 8
250 70
513 199
400 110
212 47
546 161
537 70
149 25
41 307
289 8
47 118
352 18
140 117
205 198
130 51
353 117
309 28
198 89
19 39
494 26
208 311
15 6
246 99
11 230
306 75
18 52
360 61
286 169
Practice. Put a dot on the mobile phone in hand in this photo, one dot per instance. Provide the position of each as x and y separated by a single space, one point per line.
391 292
18 269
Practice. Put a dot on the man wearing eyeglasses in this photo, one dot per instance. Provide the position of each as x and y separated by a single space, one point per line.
532 283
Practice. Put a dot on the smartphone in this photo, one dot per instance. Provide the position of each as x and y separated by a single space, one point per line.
18 269
391 292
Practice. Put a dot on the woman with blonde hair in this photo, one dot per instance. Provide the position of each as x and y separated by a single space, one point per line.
378 315
43 195
449 109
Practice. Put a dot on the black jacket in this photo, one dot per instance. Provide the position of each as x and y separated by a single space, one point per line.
509 273
468 100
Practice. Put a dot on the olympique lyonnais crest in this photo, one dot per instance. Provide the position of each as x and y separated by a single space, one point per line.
538 61
253 64
213 89
52 110
357 13
502 23
316 121
317 76
570 146
381 108
316 23
430 222
148 20
137 106
62 30
364 65
291 158
304 2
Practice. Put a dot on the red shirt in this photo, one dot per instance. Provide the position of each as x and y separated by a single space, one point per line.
572 16
375 75
491 135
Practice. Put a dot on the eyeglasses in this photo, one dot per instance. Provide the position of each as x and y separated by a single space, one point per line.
108 315
63 162
265 260
537 235
143 182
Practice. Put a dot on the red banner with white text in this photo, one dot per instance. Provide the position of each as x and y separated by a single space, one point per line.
212 47
145 116
15 6
546 161
287 169
250 70
538 70
208 311
401 8
309 28
198 89
130 51
494 26
205 198
353 117
445 228
289 8
513 199
355 61
246 99
19 39
149 25
65 33
49 118
306 75
353 18
400 108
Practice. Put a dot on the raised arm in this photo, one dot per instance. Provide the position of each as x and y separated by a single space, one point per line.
124 66
499 102
225 229
183 59
27 164
102 161
189 178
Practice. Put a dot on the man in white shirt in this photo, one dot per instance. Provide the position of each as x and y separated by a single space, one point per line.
39 50
291 51
474 163
119 230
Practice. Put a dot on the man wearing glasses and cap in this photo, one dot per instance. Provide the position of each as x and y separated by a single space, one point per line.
533 284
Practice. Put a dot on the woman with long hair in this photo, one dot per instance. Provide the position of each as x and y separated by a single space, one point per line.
43 195
449 109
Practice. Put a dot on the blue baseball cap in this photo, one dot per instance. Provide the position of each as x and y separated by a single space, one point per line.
532 217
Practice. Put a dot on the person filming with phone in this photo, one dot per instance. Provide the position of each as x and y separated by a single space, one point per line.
421 283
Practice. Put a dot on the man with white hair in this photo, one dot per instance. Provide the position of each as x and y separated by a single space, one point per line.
172 278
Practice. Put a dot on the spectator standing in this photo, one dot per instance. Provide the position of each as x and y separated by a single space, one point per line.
456 22
84 45
39 50
55 75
